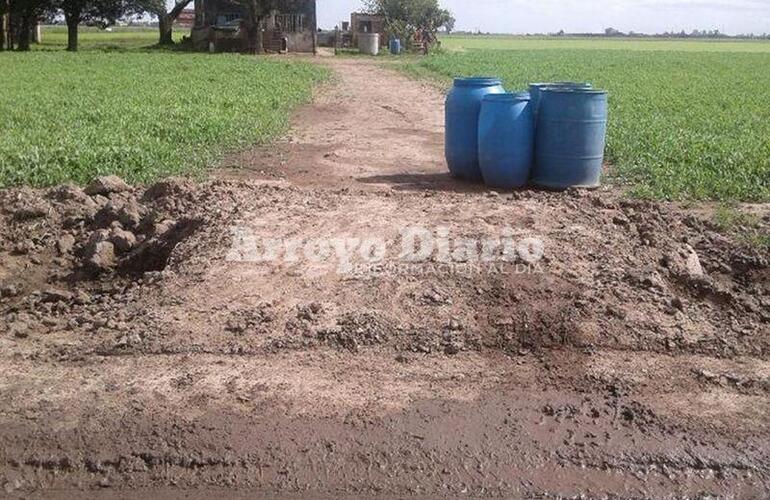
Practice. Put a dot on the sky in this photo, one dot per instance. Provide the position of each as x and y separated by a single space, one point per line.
573 16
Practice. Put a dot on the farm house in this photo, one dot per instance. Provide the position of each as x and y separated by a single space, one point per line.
219 26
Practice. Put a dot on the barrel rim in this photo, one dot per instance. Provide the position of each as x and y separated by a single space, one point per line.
542 85
477 81
509 96
564 90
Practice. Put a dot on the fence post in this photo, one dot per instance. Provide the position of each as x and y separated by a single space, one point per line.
37 34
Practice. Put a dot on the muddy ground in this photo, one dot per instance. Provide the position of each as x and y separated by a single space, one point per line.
150 348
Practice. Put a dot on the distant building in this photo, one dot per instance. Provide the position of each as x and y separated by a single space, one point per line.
186 19
218 24
367 23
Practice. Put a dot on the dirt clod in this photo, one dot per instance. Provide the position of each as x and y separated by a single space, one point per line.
19 329
123 240
106 185
99 256
55 295
65 244
168 188
30 211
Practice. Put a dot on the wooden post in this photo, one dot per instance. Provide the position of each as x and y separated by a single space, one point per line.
5 25
314 27
37 34
3 28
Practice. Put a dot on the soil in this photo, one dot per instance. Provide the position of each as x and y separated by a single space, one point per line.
146 350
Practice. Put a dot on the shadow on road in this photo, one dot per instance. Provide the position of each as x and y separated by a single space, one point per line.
426 182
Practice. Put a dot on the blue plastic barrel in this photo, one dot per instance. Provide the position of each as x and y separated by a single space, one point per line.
536 88
506 140
570 138
395 46
463 105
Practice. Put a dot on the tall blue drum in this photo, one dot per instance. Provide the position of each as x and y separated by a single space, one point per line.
570 138
536 88
395 46
506 140
463 105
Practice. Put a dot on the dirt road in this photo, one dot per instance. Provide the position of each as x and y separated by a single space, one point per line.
270 334
368 128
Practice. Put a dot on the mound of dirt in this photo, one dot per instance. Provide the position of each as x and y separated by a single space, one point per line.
617 274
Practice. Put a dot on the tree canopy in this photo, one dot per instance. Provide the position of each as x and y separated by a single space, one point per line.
409 19
102 12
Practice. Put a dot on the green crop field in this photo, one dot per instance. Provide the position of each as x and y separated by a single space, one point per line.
503 42
688 120
139 114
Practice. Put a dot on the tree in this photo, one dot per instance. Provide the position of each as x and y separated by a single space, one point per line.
104 12
450 24
412 19
24 16
165 19
255 12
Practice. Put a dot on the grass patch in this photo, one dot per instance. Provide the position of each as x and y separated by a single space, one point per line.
745 227
684 124
92 38
140 115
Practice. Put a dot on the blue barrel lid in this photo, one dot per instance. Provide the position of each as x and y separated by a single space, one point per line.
478 81
509 96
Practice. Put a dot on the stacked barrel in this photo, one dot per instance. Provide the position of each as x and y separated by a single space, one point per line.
552 136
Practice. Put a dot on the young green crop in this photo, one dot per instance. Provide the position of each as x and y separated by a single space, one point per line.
141 115
508 42
683 124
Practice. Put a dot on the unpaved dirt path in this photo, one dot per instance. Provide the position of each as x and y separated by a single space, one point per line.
370 127
613 367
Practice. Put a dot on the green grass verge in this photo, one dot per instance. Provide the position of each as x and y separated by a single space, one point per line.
140 115
683 124
91 38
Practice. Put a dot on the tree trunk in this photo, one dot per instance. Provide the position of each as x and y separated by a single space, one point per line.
254 35
5 24
254 40
2 27
25 32
10 30
165 26
72 31
166 22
